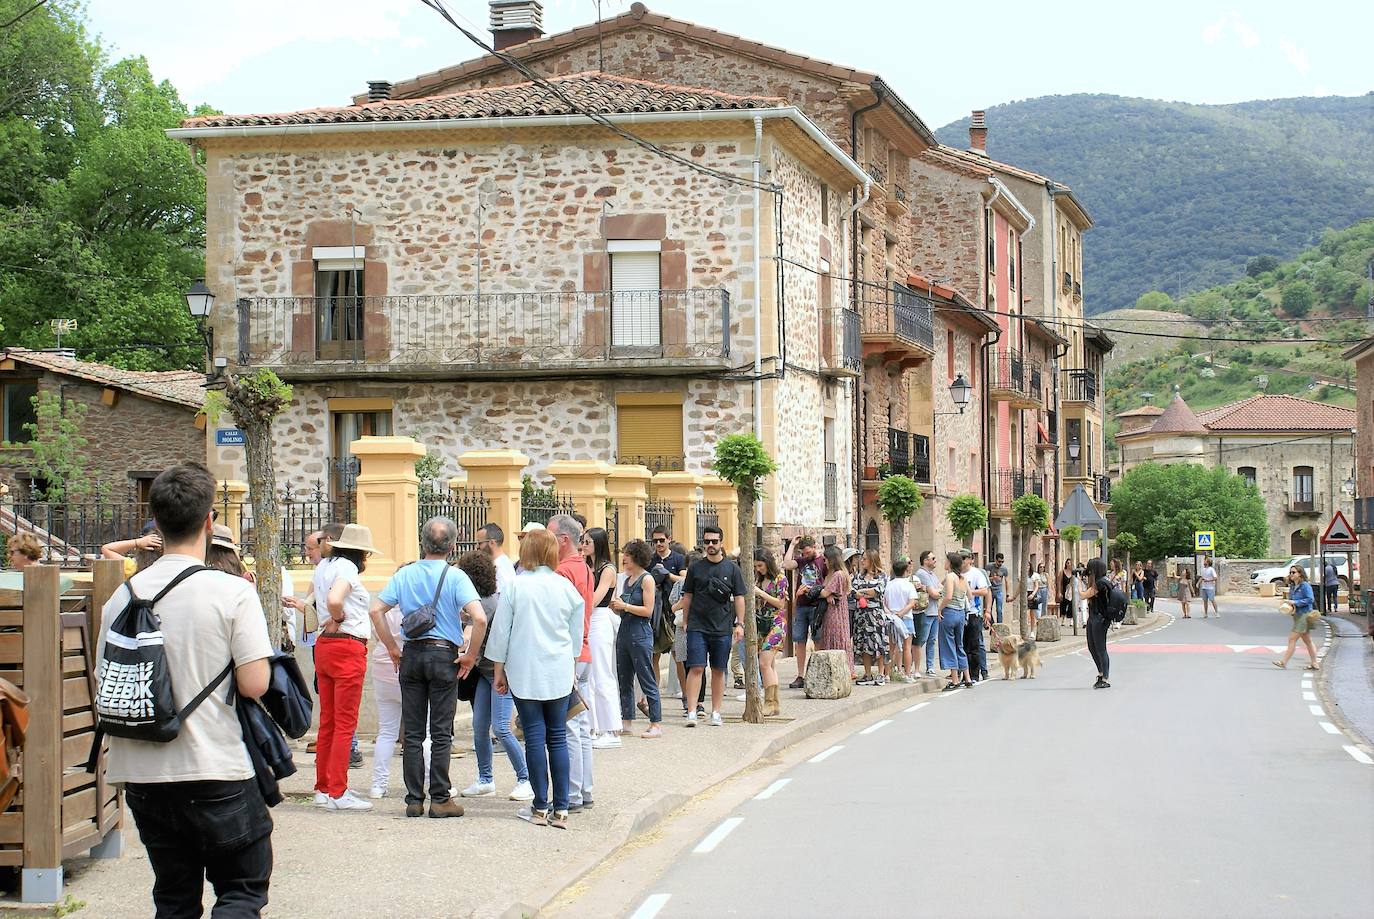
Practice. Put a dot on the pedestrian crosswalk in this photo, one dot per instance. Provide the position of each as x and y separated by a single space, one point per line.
1138 648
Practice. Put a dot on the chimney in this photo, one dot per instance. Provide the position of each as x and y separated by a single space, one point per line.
978 133
378 90
514 22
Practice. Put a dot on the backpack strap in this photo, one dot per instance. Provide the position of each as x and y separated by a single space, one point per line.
181 576
439 588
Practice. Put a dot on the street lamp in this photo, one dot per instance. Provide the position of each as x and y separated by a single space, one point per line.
200 300
1348 487
1073 448
961 393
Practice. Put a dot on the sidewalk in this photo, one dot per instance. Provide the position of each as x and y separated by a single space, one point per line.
487 863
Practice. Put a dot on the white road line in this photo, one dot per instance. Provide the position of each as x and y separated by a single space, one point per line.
1316 710
916 708
717 836
1359 755
651 905
875 727
771 790
1329 728
826 754
1309 697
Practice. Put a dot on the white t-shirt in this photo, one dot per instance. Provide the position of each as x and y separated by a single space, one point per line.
1207 578
505 572
356 603
931 582
383 668
977 580
288 614
208 620
900 592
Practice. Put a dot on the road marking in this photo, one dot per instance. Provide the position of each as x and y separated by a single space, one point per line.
878 726
826 754
771 790
1329 728
1316 710
916 708
1360 755
1309 697
717 835
651 905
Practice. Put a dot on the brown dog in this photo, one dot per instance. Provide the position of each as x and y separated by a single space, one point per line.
1014 652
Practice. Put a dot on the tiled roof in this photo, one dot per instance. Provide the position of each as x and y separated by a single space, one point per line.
1143 411
589 92
182 387
1178 418
1278 413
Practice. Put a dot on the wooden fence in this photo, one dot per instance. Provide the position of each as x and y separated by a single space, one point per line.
47 647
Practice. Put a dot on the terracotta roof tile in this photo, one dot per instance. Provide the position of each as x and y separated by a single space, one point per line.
1144 411
183 387
590 92
1178 418
1278 413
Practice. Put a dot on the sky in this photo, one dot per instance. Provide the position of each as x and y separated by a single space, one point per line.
943 58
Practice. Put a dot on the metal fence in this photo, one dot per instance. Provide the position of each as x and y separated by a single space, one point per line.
657 462
841 340
657 514
832 491
707 516
613 533
70 533
301 513
539 506
467 509
1007 486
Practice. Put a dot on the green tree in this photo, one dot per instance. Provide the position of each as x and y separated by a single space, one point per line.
1162 505
967 514
1072 535
1029 514
898 498
1261 264
58 447
1156 300
1298 298
742 461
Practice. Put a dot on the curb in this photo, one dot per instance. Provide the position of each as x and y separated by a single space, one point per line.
1333 709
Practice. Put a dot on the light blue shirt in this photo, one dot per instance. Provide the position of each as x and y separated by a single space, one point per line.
413 586
538 634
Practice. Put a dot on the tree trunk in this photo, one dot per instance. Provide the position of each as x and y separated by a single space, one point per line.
753 699
899 539
266 546
1018 583
1073 587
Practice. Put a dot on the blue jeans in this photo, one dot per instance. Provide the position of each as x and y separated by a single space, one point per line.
490 708
952 656
634 659
931 636
546 749
997 601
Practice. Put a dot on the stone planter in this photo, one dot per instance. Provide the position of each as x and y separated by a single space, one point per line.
827 675
1047 629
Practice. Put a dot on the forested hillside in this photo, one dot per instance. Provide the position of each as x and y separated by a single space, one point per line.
1184 195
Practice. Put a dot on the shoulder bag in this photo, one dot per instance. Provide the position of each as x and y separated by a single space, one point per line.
420 620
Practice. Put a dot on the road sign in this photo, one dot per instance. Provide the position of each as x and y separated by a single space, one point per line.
1204 540
1339 532
231 437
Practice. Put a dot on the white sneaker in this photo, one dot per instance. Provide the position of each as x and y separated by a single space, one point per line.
321 799
691 719
741 697
480 790
522 792
348 801
715 720
607 741
378 792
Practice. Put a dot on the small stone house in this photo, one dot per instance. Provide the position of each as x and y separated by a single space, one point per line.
137 423
1363 356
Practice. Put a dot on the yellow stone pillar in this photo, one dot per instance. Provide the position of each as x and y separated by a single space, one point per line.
628 489
584 481
232 516
496 474
723 495
389 500
679 489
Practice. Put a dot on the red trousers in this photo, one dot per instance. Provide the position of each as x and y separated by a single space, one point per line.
340 665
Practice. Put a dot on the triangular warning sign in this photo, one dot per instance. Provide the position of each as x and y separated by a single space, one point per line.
1339 532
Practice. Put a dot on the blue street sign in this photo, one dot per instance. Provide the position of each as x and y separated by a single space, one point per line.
232 437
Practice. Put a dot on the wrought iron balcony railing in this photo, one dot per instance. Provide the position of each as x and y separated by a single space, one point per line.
656 462
1007 486
1102 489
1302 502
1364 515
907 454
832 491
1077 290
878 173
841 341
904 315
487 333
1068 282
1079 386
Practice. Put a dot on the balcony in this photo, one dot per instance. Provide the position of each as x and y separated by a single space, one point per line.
896 199
1102 489
832 492
1301 504
488 335
899 328
1079 386
904 454
1364 515
841 343
1014 378
1077 290
1006 486
1068 282
657 462
1049 439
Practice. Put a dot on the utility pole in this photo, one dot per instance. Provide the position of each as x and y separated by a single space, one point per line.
1369 272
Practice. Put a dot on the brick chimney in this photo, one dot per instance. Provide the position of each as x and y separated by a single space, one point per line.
514 22
978 133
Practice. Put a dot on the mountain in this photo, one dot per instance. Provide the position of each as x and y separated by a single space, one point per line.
1183 195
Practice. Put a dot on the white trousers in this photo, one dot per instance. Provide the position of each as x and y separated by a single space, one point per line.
580 744
386 690
603 703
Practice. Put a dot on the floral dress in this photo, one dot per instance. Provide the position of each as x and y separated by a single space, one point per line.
868 629
770 639
835 627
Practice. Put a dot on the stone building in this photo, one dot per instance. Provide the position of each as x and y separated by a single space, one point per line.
1298 453
1363 521
136 423
495 268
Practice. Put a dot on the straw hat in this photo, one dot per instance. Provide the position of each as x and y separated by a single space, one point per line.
850 553
223 537
355 536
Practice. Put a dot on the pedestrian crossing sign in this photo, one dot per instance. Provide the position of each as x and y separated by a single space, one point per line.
1204 540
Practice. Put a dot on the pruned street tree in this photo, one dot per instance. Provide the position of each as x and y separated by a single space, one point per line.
898 498
1072 534
1030 514
967 514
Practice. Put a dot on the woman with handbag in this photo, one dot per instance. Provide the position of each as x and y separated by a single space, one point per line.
770 621
534 645
491 711
955 604
1301 597
604 700
868 630
634 643
835 634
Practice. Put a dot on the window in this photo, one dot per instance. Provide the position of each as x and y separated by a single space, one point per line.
634 292
973 363
950 470
826 290
949 354
348 426
338 302
973 482
18 410
649 430
1247 473
1302 489
825 205
990 232
1011 260
1298 542
872 539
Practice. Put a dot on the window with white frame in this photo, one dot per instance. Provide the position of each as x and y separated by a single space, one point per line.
636 319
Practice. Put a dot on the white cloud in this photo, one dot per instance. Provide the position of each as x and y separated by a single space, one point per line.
1231 25
1296 56
1212 34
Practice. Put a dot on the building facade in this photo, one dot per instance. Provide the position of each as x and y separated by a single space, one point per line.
1363 521
1299 454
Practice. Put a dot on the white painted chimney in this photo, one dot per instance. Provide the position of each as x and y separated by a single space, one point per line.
514 22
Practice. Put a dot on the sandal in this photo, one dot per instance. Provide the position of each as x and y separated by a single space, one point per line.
949 686
643 706
1279 664
1311 667
652 733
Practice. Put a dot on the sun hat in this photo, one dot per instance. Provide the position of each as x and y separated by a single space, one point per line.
223 537
530 528
355 536
850 553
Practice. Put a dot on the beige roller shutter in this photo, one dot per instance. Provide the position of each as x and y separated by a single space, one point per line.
649 431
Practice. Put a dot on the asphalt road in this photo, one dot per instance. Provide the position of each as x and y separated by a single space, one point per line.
1203 783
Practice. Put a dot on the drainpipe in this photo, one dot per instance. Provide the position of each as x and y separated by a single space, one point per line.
983 433
758 299
860 428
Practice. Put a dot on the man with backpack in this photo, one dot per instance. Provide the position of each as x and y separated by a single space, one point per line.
1106 604
188 780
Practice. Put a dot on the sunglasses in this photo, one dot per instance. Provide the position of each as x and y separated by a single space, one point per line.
710 542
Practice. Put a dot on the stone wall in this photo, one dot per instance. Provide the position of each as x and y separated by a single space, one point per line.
947 213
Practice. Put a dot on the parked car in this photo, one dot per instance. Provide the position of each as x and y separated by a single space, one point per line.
1278 575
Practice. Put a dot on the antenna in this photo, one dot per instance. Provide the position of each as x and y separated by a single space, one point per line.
61 327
